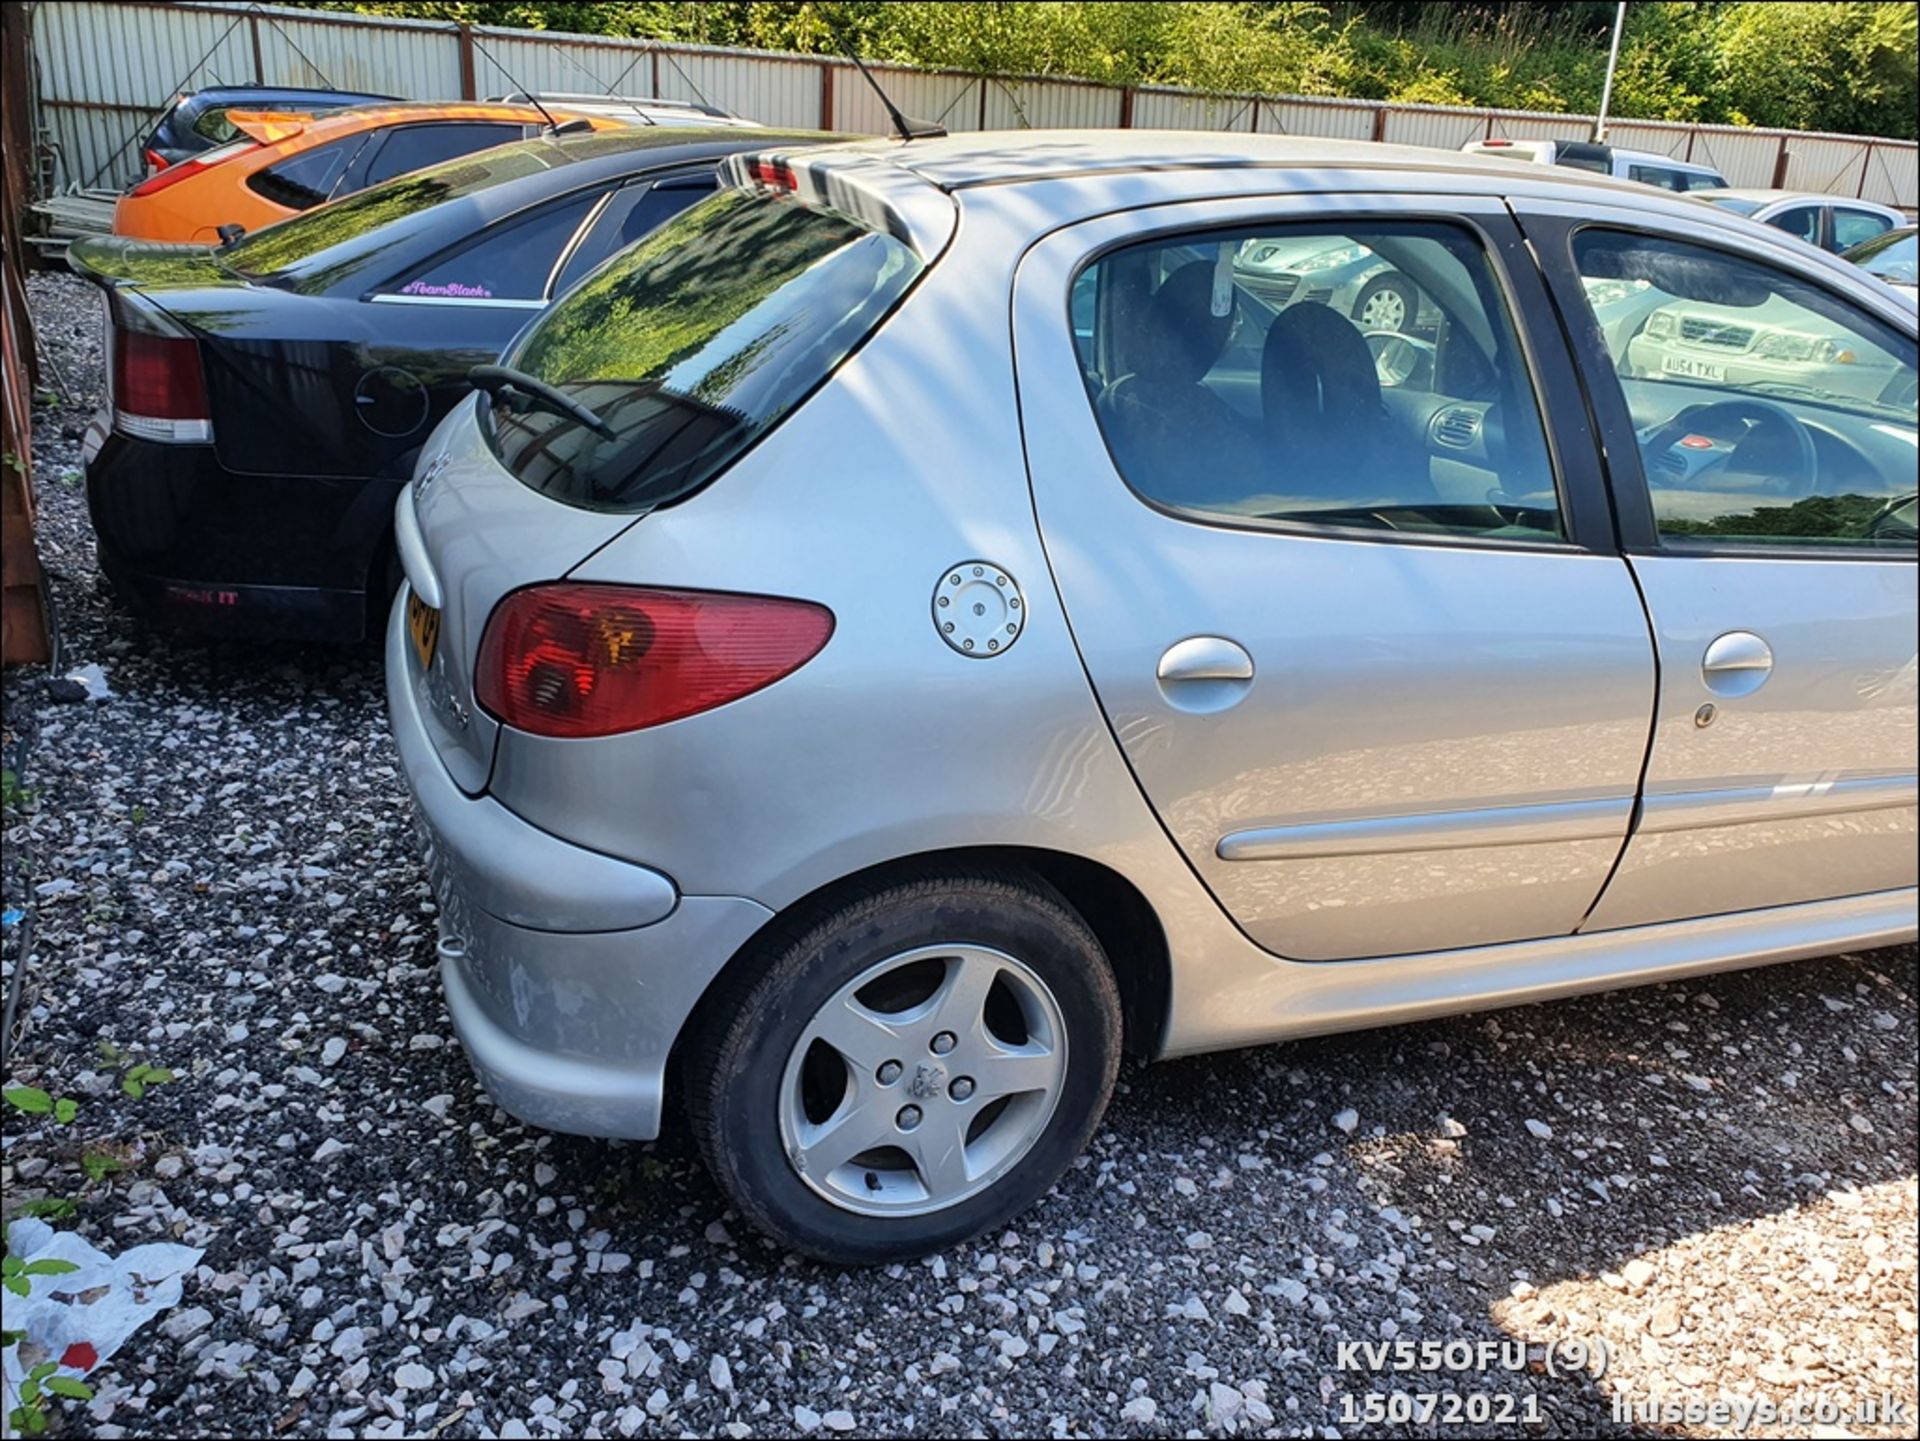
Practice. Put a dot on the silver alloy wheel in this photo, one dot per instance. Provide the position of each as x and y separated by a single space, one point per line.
943 1086
1386 309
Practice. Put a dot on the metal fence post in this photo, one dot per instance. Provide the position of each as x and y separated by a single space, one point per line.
1126 107
826 95
1780 166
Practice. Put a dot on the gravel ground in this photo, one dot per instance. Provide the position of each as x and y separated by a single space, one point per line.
1718 1178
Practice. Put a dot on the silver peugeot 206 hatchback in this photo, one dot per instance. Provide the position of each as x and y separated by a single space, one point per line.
922 622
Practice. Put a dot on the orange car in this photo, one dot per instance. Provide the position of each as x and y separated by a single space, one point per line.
282 164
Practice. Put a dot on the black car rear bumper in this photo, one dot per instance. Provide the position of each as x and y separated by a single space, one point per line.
189 543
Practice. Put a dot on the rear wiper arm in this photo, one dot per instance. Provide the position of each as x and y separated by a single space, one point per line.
495 378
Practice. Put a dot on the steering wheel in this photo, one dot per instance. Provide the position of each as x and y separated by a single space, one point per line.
1762 418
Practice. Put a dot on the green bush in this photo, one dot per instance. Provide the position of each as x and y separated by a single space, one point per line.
1847 66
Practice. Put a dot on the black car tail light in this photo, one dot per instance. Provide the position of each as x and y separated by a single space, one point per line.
159 390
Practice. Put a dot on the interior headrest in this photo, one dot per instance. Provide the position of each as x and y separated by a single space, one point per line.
1317 377
1180 336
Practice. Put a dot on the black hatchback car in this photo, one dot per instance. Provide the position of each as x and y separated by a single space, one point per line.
197 121
268 399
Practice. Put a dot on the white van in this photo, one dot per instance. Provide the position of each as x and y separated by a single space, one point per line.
1642 165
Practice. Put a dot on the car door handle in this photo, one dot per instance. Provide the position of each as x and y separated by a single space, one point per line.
1205 657
1204 673
1736 664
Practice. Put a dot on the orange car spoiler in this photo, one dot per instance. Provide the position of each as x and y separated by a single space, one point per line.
269 127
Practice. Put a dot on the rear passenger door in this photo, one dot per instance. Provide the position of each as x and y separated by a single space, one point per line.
1803 222
1759 414
1853 226
1349 602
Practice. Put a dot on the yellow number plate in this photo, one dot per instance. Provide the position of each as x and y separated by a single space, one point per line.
423 624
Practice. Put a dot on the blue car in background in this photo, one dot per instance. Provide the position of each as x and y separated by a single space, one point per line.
197 120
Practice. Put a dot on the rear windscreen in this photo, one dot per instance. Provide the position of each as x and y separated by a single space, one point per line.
303 242
691 345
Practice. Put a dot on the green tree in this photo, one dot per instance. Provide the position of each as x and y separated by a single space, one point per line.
1848 65
1845 66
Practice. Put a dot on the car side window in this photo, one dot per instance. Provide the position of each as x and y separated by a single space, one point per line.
632 213
1855 227
308 178
1802 223
1658 175
1768 411
510 261
414 147
1355 375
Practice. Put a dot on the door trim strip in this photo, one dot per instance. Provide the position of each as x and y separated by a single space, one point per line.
1788 801
1559 821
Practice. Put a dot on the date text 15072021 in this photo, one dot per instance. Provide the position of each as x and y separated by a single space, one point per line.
1557 1358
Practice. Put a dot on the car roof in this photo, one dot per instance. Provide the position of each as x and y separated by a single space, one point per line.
575 160
1760 195
979 158
540 169
317 92
350 119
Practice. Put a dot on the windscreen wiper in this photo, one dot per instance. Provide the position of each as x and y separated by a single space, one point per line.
495 378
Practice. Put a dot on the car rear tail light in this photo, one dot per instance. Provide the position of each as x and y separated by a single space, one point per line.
774 174
576 659
159 391
187 169
169 175
156 162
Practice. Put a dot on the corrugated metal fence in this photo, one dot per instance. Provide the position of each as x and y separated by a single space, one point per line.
105 67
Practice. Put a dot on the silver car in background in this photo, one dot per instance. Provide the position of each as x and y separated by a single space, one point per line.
922 622
1821 220
1347 276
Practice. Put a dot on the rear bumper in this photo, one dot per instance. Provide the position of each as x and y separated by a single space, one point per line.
193 544
568 974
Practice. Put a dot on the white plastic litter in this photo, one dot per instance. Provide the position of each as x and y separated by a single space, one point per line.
94 679
86 1315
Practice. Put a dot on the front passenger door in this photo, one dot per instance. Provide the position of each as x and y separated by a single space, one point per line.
1761 428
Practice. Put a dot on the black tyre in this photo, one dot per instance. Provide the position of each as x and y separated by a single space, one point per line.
1386 302
908 1070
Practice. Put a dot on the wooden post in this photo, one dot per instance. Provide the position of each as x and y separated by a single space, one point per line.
1866 159
1379 124
467 91
259 65
826 95
983 104
1780 166
23 615
1126 107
